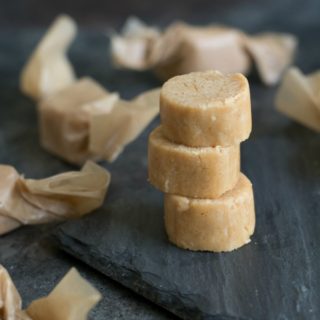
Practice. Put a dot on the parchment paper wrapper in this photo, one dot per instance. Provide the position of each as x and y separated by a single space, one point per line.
64 196
10 300
110 131
71 299
48 69
85 121
135 40
272 54
298 98
182 48
314 85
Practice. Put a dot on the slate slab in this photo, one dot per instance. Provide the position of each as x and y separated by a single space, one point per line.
37 269
276 276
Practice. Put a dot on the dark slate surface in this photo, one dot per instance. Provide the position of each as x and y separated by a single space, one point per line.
286 243
274 277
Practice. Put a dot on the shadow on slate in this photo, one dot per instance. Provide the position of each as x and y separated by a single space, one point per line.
274 277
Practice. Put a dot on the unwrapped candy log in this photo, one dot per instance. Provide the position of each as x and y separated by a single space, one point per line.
221 224
204 109
85 121
193 172
64 196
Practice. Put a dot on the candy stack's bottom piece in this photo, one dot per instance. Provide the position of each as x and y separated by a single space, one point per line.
222 224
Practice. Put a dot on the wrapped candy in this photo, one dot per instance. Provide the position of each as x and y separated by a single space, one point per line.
182 48
64 196
71 299
85 121
79 119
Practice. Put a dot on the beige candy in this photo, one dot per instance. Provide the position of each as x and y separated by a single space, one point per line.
203 109
64 120
71 299
64 196
222 224
85 121
194 172
48 69
183 49
111 131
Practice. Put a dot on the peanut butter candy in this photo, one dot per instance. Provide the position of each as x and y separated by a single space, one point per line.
182 48
193 172
206 109
71 299
221 224
48 69
64 196
85 121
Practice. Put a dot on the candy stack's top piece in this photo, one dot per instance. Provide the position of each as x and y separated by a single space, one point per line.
203 109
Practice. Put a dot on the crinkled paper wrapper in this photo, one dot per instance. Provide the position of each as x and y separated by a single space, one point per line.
85 121
10 300
182 48
79 119
298 97
71 299
48 70
64 196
